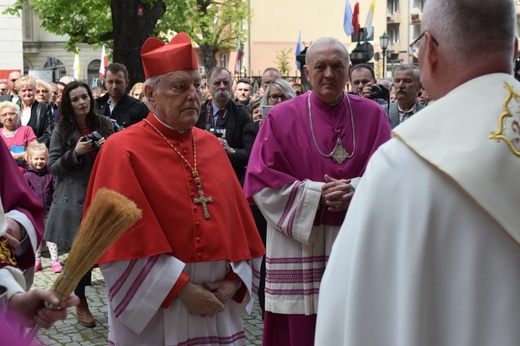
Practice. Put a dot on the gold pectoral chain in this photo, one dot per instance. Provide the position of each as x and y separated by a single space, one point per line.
202 199
338 154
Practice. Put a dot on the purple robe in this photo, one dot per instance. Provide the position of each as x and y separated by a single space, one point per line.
16 195
284 150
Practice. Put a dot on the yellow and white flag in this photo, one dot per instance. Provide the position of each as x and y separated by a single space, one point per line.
77 66
370 17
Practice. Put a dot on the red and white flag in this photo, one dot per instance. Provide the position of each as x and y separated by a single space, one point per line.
103 64
238 60
355 18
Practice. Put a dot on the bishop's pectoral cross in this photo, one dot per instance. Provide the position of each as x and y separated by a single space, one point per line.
202 198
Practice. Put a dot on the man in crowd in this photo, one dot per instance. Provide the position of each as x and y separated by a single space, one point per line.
363 79
429 251
12 95
66 80
4 88
407 82
116 103
269 75
243 92
185 272
225 119
303 185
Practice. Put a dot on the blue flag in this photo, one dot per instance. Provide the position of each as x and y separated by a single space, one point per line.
298 49
347 20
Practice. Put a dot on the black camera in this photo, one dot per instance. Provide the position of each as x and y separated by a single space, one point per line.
220 133
379 91
95 137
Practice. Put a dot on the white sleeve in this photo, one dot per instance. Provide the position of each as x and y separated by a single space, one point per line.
137 288
292 208
249 273
12 281
23 220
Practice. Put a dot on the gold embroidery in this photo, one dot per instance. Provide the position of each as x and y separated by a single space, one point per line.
6 254
509 122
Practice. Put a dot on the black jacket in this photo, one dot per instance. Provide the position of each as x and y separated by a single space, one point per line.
237 118
127 111
41 114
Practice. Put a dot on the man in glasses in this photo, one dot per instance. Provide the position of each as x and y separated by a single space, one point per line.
12 95
226 119
429 253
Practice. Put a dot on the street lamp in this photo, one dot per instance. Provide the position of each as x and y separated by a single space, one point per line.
383 41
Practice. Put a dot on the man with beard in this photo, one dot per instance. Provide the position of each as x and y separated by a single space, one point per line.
225 119
407 82
116 103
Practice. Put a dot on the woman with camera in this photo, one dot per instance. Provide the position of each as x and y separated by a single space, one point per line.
75 141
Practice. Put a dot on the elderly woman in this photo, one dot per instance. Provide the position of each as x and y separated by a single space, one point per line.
16 137
34 114
43 91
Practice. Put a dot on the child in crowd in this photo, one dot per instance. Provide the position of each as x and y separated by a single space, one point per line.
42 184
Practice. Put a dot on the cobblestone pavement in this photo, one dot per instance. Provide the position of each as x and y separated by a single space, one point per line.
70 333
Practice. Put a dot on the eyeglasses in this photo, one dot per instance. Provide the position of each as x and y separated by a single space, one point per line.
275 97
42 91
415 44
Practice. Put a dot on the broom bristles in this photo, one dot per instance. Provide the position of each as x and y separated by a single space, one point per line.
107 218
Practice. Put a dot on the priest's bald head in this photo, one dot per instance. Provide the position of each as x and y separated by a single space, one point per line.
173 82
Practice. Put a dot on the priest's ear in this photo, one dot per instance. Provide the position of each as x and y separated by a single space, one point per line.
149 93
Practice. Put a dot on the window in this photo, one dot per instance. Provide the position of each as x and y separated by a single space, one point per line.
57 66
223 60
93 73
394 35
393 6
418 5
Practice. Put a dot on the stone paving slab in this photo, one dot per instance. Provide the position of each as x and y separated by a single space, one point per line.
70 333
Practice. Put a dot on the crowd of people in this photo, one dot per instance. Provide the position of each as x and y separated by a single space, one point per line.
300 197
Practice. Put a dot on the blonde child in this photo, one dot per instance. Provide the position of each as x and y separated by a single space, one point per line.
42 184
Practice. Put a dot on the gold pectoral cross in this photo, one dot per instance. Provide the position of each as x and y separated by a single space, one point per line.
339 154
204 201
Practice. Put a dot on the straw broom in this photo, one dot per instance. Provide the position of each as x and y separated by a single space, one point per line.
107 218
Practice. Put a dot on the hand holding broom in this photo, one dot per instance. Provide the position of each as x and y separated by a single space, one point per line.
107 218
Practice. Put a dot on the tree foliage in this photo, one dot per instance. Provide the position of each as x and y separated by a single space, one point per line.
283 61
124 25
